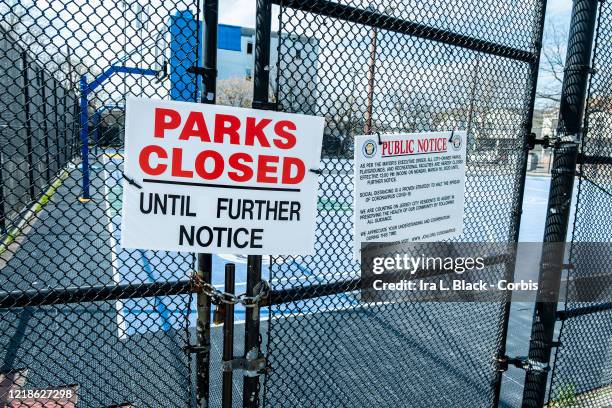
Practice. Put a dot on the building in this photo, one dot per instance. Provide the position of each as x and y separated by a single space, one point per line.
549 122
236 52
236 58
171 51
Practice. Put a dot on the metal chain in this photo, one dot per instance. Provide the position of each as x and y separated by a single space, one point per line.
261 290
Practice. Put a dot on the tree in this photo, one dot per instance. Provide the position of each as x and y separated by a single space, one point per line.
552 64
235 92
19 19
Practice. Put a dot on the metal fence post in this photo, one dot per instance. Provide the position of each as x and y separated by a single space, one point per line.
203 333
84 138
261 84
250 396
208 95
67 148
209 82
510 266
261 74
58 160
28 126
43 94
228 337
571 112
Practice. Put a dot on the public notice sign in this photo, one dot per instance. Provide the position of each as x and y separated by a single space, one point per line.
219 179
409 187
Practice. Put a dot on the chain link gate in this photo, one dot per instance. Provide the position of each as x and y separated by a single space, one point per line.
582 366
84 322
383 67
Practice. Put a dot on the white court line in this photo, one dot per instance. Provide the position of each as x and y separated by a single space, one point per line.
507 377
301 277
121 329
326 310
346 307
309 312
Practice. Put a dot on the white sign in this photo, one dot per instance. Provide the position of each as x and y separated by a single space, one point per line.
409 187
219 179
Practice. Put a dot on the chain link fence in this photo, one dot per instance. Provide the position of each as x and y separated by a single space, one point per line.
37 136
87 323
399 66
582 371
83 321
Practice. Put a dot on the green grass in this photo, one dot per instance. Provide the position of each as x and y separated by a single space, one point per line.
35 209
331 204
566 397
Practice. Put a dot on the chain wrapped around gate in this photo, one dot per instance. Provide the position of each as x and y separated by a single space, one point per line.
254 362
219 297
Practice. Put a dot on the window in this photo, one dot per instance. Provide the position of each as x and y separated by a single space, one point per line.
249 47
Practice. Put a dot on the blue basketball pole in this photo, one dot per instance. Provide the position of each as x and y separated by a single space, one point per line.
86 89
96 131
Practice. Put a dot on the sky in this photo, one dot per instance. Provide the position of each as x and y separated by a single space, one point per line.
558 8
98 42
558 14
242 12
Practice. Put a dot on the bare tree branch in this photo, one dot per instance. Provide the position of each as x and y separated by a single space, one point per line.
552 64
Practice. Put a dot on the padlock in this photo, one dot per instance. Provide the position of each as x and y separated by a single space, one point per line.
219 314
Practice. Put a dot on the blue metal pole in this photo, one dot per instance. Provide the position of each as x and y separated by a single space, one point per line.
96 129
84 138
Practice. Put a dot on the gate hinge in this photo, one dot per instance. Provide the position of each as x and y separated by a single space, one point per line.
532 141
522 362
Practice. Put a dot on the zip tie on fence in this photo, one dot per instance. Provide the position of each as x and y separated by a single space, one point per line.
217 297
131 181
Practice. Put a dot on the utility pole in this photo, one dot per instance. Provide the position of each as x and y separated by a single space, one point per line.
371 73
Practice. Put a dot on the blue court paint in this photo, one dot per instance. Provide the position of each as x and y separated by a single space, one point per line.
306 271
159 305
